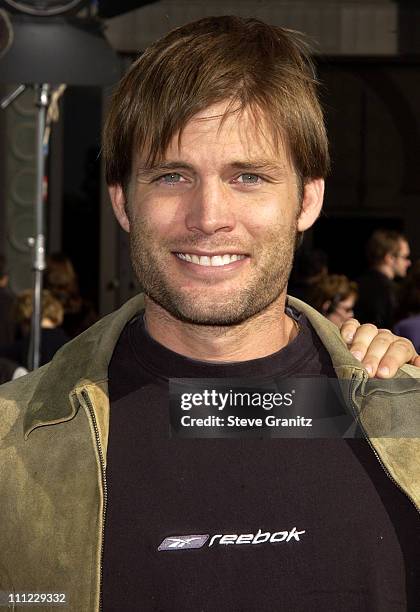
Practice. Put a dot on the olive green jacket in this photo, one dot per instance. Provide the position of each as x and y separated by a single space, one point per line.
53 448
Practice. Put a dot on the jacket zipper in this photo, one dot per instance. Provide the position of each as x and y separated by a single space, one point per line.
105 489
392 479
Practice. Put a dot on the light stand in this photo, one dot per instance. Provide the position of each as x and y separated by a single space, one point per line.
43 92
52 50
37 243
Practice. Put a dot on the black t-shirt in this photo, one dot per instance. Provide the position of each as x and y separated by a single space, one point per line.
341 536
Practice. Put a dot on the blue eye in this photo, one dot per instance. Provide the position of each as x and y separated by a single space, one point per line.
170 179
250 179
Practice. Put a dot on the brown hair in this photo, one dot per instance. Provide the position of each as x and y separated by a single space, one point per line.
333 288
381 243
244 61
61 280
51 307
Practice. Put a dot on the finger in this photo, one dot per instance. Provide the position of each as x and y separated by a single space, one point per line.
384 362
362 340
348 330
416 361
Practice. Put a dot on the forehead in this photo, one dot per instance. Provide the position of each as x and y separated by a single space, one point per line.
403 247
227 131
349 299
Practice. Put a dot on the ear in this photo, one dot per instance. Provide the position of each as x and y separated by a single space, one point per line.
313 195
389 259
325 306
116 193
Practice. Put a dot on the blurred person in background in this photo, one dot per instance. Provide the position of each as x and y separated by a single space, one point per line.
61 280
335 296
388 255
408 314
53 336
310 266
7 300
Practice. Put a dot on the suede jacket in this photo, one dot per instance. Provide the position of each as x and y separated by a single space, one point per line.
53 450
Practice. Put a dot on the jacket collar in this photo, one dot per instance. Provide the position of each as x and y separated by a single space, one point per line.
84 361
78 363
345 365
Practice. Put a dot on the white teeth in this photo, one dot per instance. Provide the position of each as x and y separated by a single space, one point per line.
204 260
216 260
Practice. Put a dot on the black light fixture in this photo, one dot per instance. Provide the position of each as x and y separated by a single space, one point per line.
44 8
58 49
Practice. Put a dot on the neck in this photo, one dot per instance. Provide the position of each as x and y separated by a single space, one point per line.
385 269
260 336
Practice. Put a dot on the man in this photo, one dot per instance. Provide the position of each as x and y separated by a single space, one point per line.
388 255
215 151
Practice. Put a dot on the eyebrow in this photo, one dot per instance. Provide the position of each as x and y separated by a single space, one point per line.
259 164
247 165
163 167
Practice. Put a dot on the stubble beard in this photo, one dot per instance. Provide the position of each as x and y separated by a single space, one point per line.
215 308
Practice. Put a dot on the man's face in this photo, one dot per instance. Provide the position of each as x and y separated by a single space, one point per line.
402 260
213 225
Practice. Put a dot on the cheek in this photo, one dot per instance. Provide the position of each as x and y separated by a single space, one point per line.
169 212
266 211
154 215
342 318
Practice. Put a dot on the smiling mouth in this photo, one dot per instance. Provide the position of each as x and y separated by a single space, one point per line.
210 261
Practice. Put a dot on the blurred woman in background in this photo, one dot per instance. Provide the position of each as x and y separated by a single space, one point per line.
335 296
61 280
52 335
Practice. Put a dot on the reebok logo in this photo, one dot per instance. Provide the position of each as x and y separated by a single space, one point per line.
187 541
258 538
198 541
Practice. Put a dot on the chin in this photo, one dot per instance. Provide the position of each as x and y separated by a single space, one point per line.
198 317
189 309
207 315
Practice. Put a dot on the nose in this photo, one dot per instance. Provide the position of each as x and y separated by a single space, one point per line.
211 208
